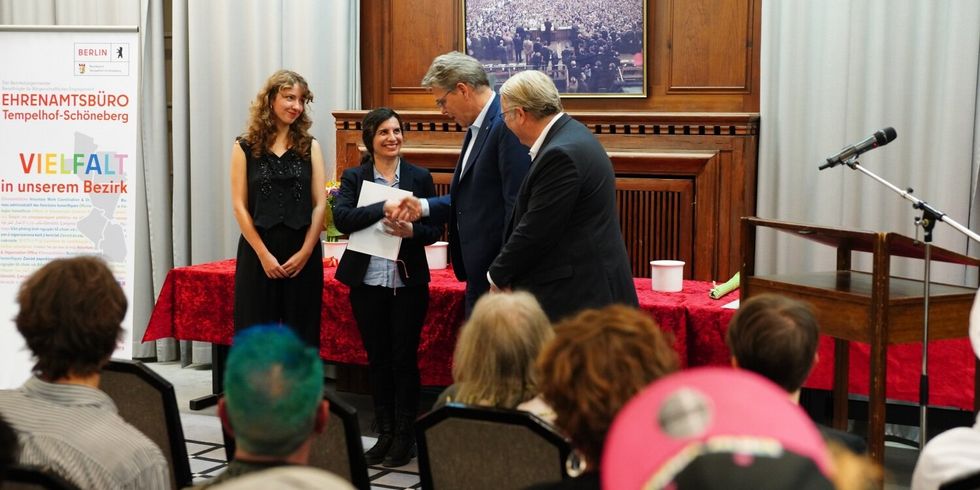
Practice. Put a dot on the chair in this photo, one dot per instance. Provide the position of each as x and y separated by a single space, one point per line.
24 477
472 447
148 402
338 449
968 482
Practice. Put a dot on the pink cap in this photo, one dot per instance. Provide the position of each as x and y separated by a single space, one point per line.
679 420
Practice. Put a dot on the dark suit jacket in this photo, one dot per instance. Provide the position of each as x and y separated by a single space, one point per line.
349 218
564 244
480 199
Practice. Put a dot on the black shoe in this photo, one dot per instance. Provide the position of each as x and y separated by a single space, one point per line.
377 453
385 421
402 450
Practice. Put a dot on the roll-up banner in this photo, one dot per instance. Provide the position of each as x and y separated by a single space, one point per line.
68 151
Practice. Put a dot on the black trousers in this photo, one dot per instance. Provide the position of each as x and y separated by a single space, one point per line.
476 287
390 322
295 302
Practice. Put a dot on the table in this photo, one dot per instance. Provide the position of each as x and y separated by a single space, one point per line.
195 303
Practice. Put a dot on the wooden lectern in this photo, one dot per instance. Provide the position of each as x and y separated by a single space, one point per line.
874 308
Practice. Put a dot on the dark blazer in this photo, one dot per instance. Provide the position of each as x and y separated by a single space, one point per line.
481 198
564 244
349 218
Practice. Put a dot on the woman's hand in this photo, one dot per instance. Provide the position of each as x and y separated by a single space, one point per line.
295 264
271 267
400 228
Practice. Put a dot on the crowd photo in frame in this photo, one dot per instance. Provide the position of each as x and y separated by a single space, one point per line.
590 48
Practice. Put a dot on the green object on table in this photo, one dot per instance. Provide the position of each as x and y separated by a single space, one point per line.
722 289
330 230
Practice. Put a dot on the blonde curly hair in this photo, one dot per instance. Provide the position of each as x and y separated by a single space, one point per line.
261 132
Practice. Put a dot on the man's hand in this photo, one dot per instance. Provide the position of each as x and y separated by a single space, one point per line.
408 208
493 286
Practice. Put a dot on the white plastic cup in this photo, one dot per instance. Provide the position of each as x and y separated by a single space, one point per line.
667 275
437 255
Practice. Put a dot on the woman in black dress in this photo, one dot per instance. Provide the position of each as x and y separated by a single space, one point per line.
279 200
389 298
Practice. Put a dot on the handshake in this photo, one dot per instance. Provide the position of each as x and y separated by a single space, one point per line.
408 208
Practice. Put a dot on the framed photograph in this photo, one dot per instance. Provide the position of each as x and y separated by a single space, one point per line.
590 48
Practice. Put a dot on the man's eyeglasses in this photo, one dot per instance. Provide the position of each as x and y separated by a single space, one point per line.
441 101
503 115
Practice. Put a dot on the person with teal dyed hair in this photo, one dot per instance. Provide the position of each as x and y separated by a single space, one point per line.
273 401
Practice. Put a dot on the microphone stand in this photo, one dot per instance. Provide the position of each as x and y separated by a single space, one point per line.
930 216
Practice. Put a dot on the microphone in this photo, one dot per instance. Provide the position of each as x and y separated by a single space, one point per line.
880 138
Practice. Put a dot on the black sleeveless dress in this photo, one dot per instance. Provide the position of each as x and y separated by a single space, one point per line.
281 205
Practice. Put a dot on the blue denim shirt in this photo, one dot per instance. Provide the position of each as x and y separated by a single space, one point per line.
381 271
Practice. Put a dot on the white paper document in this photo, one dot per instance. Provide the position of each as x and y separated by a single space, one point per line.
373 240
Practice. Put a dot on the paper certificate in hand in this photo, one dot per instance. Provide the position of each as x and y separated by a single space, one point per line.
373 240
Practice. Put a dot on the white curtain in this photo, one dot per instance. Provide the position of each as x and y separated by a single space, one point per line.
835 71
223 51
153 249
71 12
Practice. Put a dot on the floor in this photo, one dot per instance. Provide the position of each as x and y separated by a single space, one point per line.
202 431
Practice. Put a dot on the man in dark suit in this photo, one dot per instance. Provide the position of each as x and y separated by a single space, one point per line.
563 243
491 167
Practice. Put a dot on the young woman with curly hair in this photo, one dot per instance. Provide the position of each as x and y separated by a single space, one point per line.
277 181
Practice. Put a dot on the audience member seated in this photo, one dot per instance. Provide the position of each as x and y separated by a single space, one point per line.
286 478
776 337
703 429
494 360
9 448
71 312
597 361
273 403
955 453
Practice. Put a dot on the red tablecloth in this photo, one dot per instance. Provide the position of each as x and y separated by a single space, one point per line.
196 304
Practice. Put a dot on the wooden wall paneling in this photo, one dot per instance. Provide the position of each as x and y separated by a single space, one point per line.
717 63
441 161
739 183
349 145
374 34
656 219
706 238
418 31
399 39
730 180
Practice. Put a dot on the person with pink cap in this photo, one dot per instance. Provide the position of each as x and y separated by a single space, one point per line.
704 429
